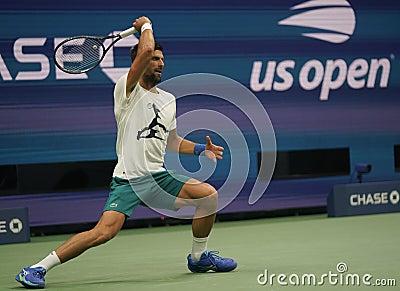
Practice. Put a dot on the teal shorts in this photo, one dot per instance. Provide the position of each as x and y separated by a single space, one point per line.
156 190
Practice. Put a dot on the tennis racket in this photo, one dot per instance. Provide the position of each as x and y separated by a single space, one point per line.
80 54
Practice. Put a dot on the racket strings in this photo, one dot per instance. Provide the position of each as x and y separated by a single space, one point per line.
79 54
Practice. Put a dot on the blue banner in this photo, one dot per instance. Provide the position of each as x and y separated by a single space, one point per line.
368 198
14 225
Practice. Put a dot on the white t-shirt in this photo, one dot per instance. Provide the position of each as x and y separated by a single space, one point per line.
144 121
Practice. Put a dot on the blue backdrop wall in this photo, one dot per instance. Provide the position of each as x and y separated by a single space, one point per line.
326 73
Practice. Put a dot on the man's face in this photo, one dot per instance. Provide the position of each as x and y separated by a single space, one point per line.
153 72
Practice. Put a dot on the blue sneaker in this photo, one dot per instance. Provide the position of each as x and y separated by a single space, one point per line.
209 261
32 277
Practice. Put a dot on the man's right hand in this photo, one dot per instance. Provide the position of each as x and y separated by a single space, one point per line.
139 22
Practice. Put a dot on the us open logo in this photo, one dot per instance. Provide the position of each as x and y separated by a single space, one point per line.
333 20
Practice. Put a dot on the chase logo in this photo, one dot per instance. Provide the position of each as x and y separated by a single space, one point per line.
333 20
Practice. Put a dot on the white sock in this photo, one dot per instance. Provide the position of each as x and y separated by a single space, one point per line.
198 247
48 262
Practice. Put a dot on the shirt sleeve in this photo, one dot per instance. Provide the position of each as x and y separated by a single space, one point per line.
120 91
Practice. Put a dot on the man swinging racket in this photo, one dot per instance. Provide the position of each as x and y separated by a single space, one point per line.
141 143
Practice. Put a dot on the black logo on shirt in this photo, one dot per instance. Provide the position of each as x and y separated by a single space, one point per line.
150 131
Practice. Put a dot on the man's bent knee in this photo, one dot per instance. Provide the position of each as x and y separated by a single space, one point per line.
208 200
198 194
210 190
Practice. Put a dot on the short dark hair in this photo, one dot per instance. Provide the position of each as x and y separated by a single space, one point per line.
157 47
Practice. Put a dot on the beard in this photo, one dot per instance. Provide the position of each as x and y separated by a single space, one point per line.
152 79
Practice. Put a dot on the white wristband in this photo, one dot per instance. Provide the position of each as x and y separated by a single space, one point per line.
146 26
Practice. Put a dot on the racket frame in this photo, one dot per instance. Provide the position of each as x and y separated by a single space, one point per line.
99 40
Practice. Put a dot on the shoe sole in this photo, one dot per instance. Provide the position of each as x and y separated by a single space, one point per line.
26 285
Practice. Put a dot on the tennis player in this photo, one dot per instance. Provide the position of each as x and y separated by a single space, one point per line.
145 117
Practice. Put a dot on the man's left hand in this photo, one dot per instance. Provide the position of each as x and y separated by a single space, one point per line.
213 152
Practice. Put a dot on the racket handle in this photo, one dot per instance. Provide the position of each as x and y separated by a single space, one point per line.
127 32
